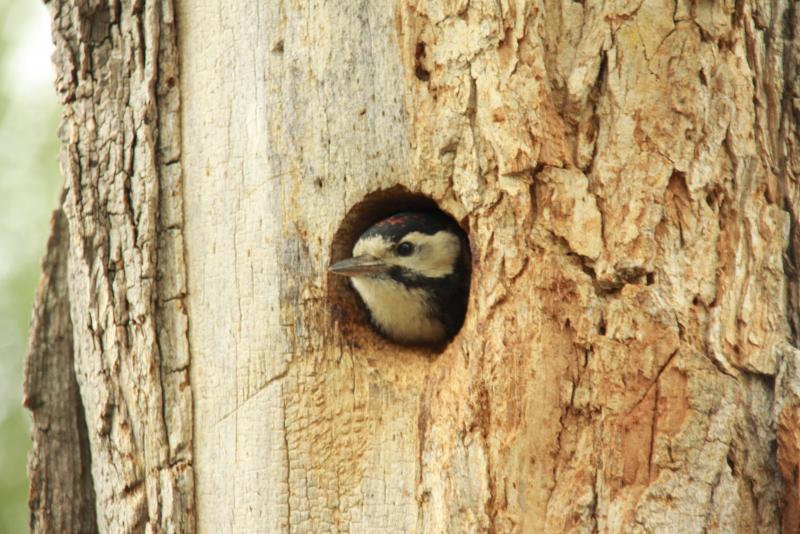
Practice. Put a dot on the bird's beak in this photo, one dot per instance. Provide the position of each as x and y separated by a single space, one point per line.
364 265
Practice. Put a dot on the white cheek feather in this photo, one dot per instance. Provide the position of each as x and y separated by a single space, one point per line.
402 313
435 255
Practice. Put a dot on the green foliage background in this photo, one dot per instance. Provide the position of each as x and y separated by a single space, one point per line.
29 184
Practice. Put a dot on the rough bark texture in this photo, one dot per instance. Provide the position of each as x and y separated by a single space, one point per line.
116 68
784 119
628 175
627 172
62 495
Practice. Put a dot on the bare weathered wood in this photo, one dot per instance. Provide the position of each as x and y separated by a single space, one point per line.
622 172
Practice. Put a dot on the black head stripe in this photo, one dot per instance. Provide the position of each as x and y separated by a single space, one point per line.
400 224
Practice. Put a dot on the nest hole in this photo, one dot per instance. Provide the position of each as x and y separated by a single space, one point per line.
349 313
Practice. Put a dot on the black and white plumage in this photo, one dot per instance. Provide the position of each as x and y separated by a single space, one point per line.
412 271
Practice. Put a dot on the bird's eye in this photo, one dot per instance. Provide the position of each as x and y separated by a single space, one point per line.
404 249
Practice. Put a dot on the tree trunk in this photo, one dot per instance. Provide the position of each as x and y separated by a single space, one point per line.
628 177
117 275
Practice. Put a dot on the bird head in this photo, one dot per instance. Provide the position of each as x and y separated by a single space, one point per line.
411 270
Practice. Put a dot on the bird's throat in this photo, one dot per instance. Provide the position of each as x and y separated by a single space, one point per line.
403 313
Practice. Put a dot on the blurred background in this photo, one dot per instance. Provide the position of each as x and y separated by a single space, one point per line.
29 185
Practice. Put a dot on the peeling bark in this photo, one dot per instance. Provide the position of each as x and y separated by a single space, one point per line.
628 203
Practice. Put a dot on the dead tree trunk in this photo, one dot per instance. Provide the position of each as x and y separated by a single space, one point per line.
628 177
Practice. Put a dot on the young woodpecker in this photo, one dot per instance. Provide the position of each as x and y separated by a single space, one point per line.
412 272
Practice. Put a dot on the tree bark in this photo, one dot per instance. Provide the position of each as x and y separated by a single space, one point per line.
124 291
628 176
62 497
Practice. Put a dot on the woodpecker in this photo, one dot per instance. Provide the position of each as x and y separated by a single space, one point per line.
412 272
